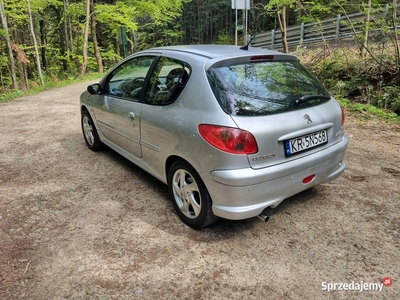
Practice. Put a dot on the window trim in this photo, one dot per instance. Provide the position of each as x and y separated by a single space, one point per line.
104 83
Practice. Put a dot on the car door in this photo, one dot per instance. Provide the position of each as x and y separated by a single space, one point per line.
158 118
118 115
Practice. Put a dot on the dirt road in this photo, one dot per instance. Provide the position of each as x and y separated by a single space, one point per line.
81 225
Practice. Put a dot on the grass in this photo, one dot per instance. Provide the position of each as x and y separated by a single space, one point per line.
48 86
367 112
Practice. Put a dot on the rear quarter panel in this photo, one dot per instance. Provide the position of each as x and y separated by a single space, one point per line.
172 130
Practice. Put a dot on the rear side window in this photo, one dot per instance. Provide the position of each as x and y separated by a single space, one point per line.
264 88
167 81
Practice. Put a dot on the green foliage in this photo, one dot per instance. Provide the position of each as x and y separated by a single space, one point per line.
160 11
310 11
3 61
367 86
17 11
50 84
109 56
158 23
202 21
152 35
224 38
11 95
279 3
389 97
40 5
368 111
321 9
119 14
275 7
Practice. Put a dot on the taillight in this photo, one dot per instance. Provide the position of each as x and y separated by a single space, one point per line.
342 121
228 139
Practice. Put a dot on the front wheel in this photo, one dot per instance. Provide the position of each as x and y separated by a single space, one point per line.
90 133
190 196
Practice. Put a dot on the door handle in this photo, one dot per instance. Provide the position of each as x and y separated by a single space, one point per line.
131 116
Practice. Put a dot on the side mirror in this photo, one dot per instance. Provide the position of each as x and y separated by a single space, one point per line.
94 89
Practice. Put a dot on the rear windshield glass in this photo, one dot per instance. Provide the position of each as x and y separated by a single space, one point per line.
263 88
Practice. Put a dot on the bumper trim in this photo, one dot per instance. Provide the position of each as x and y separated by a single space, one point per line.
237 203
248 176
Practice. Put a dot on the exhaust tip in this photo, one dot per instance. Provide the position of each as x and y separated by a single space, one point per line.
263 217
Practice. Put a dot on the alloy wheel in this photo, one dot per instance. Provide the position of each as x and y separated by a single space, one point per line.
186 193
88 130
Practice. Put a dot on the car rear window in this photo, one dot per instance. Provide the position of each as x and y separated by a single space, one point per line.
262 88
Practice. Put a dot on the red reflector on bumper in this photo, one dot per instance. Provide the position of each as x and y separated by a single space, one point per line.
308 179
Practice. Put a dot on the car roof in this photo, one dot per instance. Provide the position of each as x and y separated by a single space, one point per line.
218 51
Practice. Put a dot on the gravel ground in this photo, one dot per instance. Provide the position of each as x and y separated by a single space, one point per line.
75 224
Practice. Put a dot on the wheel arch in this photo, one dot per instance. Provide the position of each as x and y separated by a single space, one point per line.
170 161
205 216
91 114
174 158
83 108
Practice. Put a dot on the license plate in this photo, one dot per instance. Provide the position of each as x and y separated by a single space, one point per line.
305 142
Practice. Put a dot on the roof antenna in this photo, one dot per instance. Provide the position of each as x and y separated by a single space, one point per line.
247 46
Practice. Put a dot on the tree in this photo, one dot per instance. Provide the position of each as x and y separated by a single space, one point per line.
109 17
280 7
8 43
38 65
85 38
395 38
157 23
94 38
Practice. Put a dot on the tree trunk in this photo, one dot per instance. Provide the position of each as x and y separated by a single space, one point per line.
95 43
135 42
70 33
67 43
85 39
395 38
364 46
42 30
283 26
20 64
9 48
63 36
37 57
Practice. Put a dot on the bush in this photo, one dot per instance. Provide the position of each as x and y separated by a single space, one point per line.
373 81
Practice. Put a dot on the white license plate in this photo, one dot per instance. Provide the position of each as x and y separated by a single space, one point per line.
305 142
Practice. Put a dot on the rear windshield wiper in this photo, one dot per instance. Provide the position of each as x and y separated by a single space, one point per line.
311 97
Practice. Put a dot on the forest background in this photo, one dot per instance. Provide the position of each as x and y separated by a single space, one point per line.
44 42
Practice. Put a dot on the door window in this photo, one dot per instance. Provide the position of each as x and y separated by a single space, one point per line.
128 79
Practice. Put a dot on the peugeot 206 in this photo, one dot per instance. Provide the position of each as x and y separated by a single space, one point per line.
230 130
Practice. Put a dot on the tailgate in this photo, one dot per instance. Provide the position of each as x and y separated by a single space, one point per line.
289 136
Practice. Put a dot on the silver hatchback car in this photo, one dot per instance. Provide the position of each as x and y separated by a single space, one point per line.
231 131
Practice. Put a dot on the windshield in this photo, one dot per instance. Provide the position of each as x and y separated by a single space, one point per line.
264 88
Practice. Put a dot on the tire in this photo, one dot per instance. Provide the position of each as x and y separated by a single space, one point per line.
189 196
90 132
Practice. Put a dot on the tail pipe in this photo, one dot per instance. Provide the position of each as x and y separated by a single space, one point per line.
263 216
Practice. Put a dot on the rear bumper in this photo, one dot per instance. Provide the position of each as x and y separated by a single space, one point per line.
245 193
